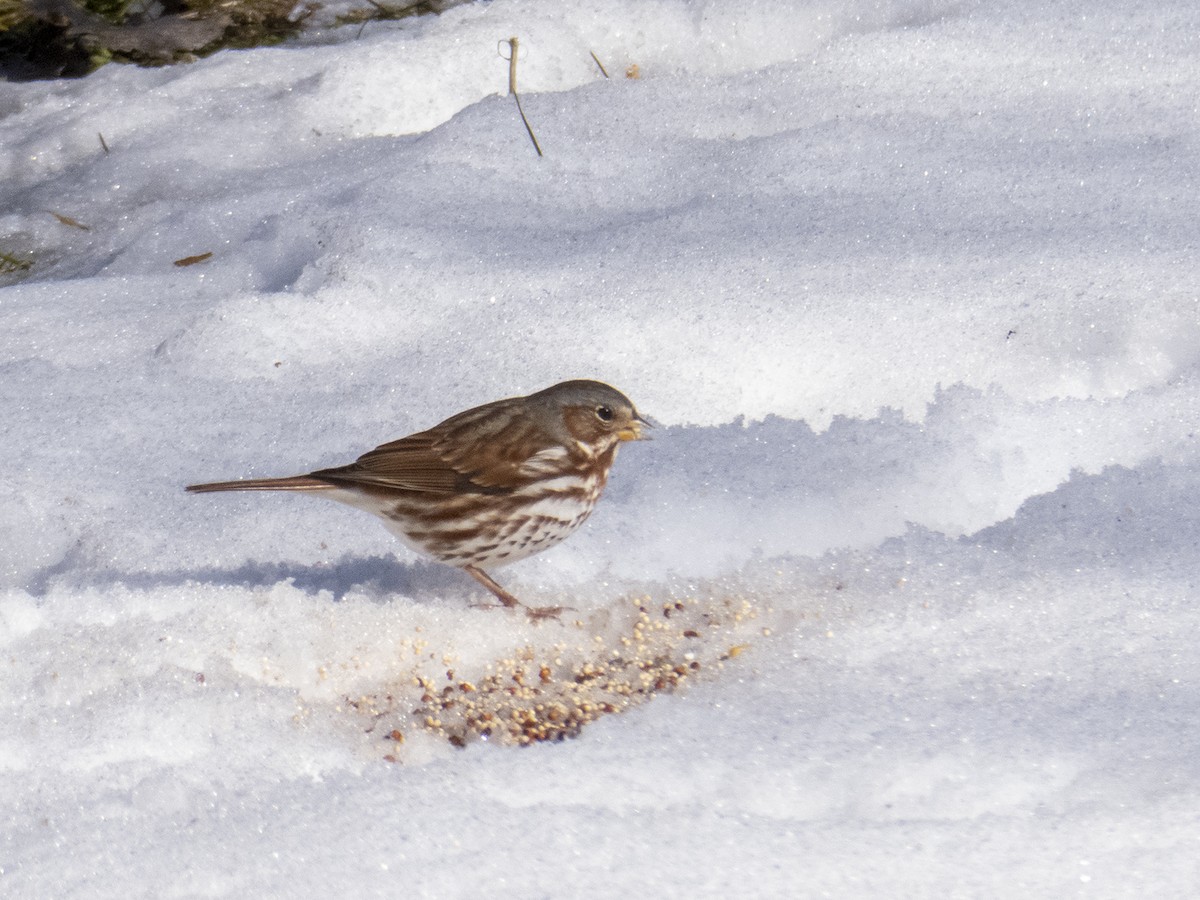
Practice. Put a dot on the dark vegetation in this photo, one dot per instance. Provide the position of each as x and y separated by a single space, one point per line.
70 38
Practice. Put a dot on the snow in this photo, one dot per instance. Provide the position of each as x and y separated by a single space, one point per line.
911 289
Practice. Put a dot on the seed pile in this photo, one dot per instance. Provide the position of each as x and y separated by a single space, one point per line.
551 694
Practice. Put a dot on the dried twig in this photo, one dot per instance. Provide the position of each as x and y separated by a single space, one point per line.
68 221
512 89
192 260
600 65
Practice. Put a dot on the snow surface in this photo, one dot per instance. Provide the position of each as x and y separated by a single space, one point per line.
911 287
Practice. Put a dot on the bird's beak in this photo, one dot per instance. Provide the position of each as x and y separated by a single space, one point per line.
636 429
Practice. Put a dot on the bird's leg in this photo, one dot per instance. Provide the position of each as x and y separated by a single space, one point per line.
490 583
534 612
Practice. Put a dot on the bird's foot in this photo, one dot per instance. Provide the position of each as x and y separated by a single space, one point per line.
535 613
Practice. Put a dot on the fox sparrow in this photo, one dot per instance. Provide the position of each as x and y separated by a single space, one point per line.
488 486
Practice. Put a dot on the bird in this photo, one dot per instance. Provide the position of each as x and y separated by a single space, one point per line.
489 486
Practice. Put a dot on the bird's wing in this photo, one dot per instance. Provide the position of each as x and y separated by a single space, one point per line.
409 464
491 445
482 449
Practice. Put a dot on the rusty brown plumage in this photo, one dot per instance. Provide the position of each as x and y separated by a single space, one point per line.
488 486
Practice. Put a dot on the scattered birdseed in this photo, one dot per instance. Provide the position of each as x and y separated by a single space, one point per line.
527 697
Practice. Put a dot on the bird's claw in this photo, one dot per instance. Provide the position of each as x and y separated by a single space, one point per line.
535 613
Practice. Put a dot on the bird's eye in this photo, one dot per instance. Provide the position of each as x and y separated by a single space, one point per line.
604 413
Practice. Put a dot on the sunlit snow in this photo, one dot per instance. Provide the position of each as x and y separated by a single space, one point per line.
911 288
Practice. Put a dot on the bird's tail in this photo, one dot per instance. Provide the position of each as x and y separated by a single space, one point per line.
294 483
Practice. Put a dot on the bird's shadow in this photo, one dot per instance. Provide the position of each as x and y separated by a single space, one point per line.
376 577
